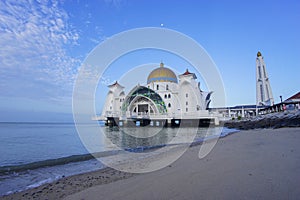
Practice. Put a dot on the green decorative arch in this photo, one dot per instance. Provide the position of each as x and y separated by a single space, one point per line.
149 94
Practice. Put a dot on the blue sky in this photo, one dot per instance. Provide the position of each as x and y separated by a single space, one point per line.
43 43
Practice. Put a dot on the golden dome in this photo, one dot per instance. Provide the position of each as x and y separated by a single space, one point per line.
162 74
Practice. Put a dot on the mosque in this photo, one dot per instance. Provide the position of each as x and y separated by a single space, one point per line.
166 100
170 100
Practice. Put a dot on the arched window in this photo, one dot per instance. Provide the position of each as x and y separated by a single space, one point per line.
186 95
167 87
169 105
169 96
157 87
166 96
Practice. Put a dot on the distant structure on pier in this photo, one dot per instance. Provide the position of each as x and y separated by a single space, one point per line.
264 96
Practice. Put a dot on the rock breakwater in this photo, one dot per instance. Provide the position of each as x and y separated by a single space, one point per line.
272 120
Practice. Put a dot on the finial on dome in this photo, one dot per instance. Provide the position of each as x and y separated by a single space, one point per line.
258 54
161 64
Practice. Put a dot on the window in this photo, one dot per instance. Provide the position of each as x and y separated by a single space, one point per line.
186 110
110 107
157 87
186 95
265 74
267 90
169 105
261 93
259 72
166 96
167 87
169 96
120 100
186 103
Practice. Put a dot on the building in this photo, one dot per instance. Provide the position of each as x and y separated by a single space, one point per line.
293 99
290 104
293 102
264 96
166 100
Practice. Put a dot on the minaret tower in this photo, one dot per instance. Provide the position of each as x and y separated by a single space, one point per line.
264 96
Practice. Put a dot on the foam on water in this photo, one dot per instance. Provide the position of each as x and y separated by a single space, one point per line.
34 178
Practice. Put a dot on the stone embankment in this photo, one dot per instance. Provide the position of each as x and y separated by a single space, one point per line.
272 120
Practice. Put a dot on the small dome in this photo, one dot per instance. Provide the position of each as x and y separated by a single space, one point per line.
258 54
162 74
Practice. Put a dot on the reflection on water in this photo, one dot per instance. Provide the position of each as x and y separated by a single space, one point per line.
148 149
131 138
128 138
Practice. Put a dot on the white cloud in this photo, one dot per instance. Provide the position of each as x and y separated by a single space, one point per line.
34 39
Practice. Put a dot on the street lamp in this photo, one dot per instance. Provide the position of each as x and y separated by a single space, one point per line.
280 98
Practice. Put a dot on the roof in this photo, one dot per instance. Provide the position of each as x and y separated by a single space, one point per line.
115 84
295 96
241 106
293 99
258 54
186 73
162 74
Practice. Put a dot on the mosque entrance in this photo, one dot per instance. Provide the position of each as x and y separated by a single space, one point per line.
144 108
143 101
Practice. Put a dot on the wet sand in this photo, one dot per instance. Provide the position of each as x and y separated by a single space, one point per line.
252 164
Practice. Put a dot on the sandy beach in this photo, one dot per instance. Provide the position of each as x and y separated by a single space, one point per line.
251 164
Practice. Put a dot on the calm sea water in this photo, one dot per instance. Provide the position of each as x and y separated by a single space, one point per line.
34 153
28 142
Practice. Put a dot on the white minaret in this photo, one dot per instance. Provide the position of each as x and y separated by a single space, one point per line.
114 100
264 96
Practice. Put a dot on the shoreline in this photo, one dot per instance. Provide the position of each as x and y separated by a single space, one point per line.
98 180
8 169
50 165
254 164
70 185
107 177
